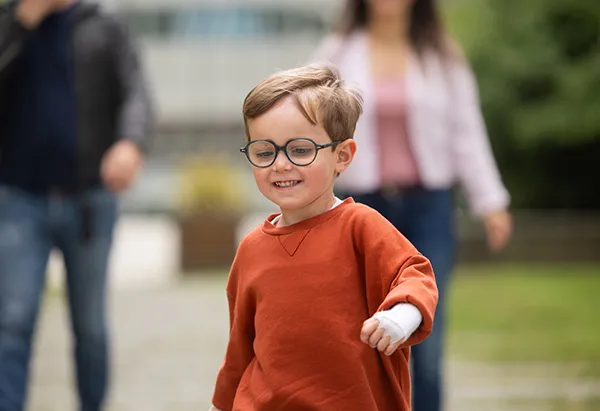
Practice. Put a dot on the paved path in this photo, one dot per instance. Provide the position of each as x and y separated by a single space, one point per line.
169 342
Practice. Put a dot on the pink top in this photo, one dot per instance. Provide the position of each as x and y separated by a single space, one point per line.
397 164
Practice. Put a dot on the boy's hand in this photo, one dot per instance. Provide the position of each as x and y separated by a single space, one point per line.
373 335
386 330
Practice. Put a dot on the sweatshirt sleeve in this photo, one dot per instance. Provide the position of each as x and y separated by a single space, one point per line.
395 271
240 351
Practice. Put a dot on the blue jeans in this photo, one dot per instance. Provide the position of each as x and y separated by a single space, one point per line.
425 217
81 227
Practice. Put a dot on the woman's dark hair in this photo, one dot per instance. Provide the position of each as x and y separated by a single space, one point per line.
426 29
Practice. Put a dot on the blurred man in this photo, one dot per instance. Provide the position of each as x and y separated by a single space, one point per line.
74 121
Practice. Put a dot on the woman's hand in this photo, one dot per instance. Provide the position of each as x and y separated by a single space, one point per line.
498 225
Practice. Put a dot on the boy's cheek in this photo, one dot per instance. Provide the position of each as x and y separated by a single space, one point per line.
260 176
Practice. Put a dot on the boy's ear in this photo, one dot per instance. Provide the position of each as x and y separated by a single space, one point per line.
345 154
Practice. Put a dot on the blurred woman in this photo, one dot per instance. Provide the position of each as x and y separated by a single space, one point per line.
421 133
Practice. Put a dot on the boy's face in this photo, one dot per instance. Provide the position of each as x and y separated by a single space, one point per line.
308 189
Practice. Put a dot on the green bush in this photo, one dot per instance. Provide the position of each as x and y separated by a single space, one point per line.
538 67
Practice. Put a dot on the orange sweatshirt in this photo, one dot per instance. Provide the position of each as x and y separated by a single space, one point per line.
298 297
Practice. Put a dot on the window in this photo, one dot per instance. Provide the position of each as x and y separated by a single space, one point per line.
223 23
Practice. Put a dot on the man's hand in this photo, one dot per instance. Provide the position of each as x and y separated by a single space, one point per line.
498 226
32 12
121 165
372 335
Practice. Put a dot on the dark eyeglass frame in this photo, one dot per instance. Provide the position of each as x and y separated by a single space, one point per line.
284 149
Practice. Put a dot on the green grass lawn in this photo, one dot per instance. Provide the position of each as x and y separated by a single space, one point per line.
526 313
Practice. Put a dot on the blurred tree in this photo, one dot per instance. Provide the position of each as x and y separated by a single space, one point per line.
538 66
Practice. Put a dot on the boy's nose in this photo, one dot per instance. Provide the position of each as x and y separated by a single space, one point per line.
282 163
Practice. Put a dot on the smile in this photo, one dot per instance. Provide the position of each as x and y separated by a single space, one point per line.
286 184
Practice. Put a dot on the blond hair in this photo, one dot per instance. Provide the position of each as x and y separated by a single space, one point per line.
319 93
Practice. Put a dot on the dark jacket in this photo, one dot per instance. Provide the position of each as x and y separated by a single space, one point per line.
112 99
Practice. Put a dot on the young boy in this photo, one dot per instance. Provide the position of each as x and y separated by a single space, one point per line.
326 297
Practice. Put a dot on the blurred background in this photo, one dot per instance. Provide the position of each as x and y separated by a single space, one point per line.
524 325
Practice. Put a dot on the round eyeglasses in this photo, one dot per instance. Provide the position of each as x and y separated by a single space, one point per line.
300 151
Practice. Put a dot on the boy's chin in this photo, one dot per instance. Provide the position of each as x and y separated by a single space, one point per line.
290 204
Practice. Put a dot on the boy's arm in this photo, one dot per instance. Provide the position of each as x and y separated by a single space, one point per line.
240 351
393 264
414 284
399 322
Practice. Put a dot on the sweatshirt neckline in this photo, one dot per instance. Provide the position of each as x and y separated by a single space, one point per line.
269 228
